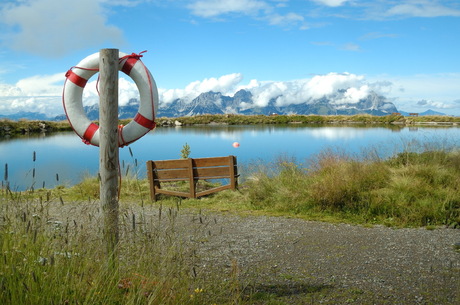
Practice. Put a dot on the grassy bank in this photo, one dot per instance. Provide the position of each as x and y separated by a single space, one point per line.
410 189
10 128
310 119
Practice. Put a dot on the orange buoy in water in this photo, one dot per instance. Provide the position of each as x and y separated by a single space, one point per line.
236 144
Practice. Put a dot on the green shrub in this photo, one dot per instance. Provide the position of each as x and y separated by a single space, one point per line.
346 184
410 189
280 186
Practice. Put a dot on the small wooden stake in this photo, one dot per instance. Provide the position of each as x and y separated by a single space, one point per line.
108 148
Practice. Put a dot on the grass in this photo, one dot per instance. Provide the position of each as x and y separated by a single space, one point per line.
52 253
409 189
418 187
231 119
45 234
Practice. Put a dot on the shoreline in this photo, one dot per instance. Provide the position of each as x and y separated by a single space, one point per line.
10 128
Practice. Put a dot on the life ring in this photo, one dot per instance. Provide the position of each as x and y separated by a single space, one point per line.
76 79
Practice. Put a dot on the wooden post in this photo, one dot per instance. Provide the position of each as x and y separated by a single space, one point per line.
233 172
191 179
108 148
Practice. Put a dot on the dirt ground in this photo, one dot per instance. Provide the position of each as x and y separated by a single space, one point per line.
294 261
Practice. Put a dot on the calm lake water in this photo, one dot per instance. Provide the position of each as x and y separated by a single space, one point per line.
63 159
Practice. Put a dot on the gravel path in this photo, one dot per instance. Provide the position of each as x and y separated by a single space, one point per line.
292 261
309 262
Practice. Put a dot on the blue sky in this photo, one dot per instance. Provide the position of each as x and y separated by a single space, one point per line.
406 50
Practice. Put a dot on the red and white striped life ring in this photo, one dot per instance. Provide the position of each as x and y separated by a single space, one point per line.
77 78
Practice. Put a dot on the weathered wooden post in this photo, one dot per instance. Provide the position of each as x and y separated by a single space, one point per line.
108 147
108 135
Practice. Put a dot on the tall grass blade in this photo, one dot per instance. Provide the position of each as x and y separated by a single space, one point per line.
5 177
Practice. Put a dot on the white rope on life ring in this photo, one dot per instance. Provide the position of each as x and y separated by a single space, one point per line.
76 79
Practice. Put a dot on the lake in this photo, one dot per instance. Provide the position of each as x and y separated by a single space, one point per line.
62 158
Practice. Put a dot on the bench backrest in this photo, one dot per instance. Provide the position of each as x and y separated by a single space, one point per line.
191 170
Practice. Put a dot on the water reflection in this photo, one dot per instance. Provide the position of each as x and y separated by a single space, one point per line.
64 153
335 133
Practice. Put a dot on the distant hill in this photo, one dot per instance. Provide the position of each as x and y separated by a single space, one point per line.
431 112
428 112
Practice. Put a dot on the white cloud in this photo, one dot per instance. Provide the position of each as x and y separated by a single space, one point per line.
263 94
127 90
222 84
422 8
41 93
354 95
261 10
290 18
441 90
355 87
322 85
213 8
414 93
37 89
277 12
350 47
332 3
281 3
381 10
54 28
41 85
8 90
35 86
226 84
127 3
438 105
441 86
377 35
51 105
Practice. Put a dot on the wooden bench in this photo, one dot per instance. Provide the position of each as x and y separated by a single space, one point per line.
191 170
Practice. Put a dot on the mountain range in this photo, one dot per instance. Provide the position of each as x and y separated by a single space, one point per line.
243 103
35 116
